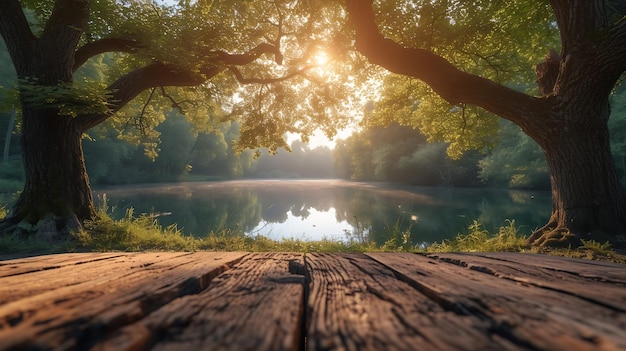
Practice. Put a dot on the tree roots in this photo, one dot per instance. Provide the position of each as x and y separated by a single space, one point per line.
553 235
48 229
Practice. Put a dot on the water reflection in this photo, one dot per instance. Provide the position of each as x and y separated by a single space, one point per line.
315 209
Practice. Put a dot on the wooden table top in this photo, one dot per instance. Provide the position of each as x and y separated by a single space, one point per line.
294 301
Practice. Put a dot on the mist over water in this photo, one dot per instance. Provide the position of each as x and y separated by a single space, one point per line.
333 209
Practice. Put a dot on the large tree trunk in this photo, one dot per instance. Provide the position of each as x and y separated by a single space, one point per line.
588 201
57 195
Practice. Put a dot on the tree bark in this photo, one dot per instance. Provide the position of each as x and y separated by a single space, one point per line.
56 195
7 140
588 201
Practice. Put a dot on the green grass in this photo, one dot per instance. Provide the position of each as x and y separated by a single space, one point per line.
480 240
591 250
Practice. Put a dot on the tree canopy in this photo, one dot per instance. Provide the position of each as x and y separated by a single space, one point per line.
212 60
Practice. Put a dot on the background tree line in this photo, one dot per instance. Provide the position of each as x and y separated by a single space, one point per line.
393 153
180 154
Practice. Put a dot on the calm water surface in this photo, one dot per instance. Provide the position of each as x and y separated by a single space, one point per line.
335 209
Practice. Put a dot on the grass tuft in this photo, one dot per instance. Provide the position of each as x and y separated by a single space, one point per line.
479 240
590 250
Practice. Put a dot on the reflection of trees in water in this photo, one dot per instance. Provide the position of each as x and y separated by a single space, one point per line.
376 213
239 210
435 214
195 212
278 201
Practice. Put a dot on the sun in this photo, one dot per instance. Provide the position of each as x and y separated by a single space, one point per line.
321 58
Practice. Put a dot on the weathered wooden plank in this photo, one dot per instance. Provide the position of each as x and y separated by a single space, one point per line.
530 269
75 316
355 303
60 271
255 305
530 315
598 270
45 262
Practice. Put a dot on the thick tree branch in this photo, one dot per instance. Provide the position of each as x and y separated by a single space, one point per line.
101 46
132 84
603 49
577 20
221 57
16 32
243 80
67 22
455 86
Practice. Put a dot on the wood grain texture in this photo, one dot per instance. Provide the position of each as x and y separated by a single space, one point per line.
93 302
595 270
534 316
256 305
602 283
356 303
290 301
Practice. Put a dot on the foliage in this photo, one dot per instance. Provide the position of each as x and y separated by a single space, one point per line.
205 156
479 240
401 154
516 162
590 250
191 35
399 237
83 96
498 40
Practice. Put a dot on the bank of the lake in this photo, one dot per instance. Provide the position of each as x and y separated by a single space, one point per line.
311 210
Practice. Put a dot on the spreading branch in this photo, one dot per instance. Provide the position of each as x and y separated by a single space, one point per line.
224 58
127 87
452 84
268 80
175 104
155 75
101 46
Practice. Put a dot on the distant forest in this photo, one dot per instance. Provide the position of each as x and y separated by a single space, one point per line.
392 154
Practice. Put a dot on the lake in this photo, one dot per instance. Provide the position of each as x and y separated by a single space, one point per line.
332 209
